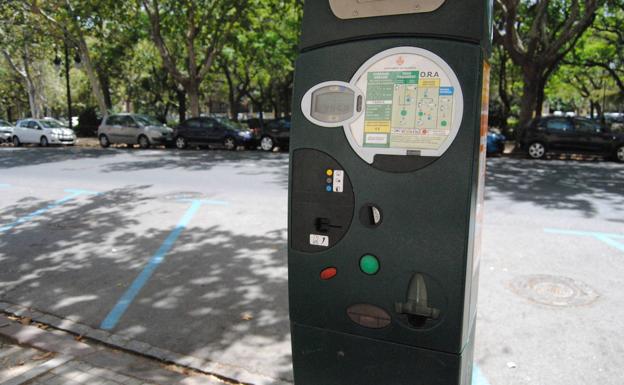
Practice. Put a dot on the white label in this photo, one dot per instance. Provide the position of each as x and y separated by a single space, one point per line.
376 139
338 181
319 240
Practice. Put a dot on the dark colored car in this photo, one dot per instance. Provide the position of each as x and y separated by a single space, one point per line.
211 131
275 133
571 135
495 143
255 125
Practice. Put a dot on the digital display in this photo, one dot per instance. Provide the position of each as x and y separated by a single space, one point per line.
332 104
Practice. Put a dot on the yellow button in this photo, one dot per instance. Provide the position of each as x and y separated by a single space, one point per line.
330 172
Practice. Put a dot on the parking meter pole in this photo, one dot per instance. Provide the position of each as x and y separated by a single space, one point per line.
386 190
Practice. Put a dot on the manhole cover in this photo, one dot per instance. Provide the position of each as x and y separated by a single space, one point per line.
553 291
182 195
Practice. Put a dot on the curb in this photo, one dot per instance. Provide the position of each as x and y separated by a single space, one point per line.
225 372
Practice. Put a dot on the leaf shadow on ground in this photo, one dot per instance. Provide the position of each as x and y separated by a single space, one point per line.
21 157
568 185
220 294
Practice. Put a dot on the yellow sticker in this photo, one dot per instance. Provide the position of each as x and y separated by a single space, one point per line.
377 126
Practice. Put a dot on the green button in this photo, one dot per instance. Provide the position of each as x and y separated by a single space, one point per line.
444 123
369 264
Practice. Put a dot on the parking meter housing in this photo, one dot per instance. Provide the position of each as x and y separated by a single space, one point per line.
383 250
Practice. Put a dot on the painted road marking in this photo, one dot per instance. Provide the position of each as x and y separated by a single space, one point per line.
4 185
608 238
73 194
126 299
478 378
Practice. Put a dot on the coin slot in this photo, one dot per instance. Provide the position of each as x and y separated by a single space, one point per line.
371 215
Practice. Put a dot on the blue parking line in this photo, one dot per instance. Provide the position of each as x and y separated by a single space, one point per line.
607 238
477 377
4 185
73 193
126 299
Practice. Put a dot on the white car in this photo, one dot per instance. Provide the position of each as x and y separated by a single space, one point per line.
6 131
42 131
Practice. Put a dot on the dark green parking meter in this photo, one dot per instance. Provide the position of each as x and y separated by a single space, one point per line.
386 190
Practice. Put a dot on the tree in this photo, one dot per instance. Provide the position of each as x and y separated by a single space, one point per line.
197 28
607 41
272 54
18 37
75 21
537 35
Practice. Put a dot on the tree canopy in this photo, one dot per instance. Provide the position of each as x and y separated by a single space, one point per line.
179 58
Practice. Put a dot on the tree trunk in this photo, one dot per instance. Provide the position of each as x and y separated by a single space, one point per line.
94 80
530 96
192 89
181 95
105 81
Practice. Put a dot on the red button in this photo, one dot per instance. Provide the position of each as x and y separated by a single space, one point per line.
328 273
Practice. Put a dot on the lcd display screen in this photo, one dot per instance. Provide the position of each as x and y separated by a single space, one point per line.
332 104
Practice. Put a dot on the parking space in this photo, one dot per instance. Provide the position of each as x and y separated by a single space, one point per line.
176 249
186 251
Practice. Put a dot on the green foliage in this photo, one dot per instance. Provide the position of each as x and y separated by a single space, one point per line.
88 122
236 55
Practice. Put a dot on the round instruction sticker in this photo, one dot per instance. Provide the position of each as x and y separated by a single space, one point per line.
413 105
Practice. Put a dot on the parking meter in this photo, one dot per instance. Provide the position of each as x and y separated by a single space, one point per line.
386 190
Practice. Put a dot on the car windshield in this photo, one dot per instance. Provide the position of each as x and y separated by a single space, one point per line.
147 120
51 123
232 125
4 123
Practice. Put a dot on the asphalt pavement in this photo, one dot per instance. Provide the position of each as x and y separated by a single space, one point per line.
185 251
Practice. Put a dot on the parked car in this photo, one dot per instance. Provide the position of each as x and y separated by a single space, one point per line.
255 125
210 131
495 143
6 131
571 135
275 133
131 129
42 131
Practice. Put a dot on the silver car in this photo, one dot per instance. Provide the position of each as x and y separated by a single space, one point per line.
6 131
132 129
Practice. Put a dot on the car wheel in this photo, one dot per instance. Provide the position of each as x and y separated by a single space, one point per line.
537 150
16 141
267 143
144 142
619 154
104 142
43 142
180 143
229 143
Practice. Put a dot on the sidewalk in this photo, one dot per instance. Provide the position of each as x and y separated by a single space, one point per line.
33 354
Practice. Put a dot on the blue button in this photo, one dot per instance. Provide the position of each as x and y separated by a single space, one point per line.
329 188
